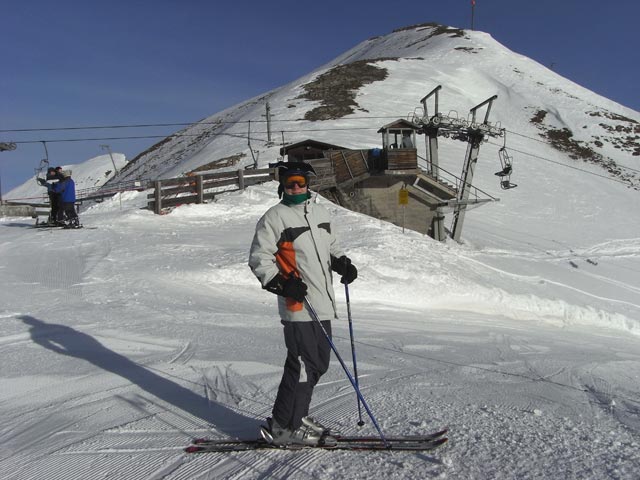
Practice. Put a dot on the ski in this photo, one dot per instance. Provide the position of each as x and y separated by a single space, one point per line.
260 444
62 227
404 438
46 225
355 443
342 438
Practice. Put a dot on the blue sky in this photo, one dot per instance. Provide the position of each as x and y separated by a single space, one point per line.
83 63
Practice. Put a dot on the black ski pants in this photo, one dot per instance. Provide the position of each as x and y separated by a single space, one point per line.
55 200
308 355
69 209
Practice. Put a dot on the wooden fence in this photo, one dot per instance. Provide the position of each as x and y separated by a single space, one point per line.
198 188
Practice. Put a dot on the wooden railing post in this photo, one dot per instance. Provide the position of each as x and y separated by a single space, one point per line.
199 189
241 179
158 193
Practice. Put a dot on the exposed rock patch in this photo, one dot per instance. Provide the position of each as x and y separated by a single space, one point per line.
337 88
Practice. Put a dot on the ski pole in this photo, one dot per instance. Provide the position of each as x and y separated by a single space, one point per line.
353 352
314 315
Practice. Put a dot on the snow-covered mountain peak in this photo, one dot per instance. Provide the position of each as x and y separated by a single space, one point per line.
386 76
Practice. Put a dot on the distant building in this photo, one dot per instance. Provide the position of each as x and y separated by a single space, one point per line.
369 180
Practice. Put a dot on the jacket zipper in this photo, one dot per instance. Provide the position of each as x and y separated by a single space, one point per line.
322 267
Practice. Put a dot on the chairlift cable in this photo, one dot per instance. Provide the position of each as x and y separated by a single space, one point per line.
264 141
178 124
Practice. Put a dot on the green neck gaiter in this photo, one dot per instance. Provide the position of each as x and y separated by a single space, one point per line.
294 199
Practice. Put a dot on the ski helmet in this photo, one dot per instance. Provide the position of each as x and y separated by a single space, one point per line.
286 169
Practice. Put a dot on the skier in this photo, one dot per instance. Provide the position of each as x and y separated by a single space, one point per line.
55 199
65 190
293 253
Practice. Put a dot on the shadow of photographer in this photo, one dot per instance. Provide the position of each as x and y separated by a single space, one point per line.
67 341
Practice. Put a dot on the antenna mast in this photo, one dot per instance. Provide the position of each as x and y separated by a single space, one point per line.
473 9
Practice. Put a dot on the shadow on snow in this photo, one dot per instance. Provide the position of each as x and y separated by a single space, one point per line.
70 342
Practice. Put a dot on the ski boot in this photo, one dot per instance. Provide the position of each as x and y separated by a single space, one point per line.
326 435
304 435
73 223
274 434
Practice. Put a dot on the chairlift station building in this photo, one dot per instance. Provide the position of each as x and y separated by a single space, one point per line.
388 183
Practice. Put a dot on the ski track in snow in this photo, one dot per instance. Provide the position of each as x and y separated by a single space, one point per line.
536 279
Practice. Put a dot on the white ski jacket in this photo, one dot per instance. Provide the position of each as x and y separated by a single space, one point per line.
297 240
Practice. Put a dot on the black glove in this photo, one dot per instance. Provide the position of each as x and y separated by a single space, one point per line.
343 267
42 182
294 288
291 287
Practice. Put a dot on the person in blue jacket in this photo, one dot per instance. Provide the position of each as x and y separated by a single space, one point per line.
67 189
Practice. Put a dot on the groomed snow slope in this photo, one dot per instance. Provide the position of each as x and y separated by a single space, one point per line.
123 340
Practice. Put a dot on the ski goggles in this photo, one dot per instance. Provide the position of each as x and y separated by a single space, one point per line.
291 181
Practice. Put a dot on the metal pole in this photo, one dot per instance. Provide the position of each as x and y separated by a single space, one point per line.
473 8
268 107
353 351
110 155
5 147
430 126
255 161
468 169
46 151
403 219
314 315
284 150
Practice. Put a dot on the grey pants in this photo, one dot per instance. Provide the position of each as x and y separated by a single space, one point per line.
308 355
